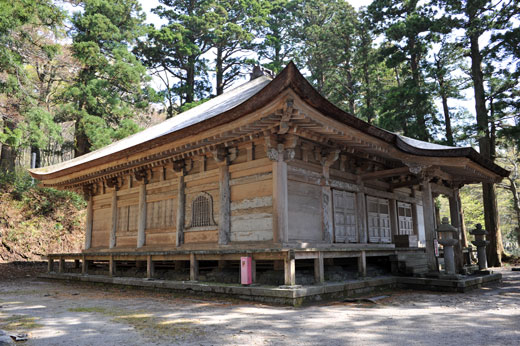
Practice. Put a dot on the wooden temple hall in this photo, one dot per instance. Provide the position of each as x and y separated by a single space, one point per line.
269 170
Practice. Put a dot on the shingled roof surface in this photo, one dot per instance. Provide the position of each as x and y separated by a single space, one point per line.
245 99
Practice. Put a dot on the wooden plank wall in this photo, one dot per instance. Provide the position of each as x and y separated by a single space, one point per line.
305 211
251 186
305 180
101 220
161 209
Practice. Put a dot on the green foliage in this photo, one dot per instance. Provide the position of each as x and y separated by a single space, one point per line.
110 88
16 183
39 200
278 44
409 29
188 106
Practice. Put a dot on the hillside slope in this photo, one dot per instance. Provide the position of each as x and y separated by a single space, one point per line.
37 221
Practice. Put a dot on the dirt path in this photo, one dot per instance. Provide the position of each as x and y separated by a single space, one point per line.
56 313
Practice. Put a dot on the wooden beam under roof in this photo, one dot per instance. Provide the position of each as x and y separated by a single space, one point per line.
407 183
385 173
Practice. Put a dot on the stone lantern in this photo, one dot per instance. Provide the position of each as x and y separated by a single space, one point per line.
448 238
480 243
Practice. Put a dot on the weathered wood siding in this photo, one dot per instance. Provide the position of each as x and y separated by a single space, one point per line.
305 211
101 220
127 214
251 185
160 213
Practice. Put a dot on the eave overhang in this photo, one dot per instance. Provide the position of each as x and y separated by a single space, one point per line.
290 78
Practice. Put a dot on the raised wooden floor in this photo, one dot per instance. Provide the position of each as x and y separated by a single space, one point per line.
287 255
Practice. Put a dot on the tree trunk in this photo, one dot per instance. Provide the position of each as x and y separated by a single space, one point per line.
190 80
35 151
422 134
219 72
368 92
351 97
82 144
446 111
516 207
495 248
7 153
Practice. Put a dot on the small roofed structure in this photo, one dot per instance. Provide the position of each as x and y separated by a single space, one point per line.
273 171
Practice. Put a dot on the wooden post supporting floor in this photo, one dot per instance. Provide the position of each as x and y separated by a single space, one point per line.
290 269
50 264
319 269
84 266
150 268
194 268
76 264
253 270
362 264
111 266
61 265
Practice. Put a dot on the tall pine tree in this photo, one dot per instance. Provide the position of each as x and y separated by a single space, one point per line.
110 87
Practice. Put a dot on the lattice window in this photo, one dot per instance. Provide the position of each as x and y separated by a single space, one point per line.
202 211
405 218
378 220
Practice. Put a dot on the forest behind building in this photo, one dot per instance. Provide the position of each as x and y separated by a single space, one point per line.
78 75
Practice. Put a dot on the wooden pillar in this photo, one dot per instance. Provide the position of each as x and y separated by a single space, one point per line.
194 268
361 206
280 203
111 266
150 269
456 222
429 224
50 264
114 220
141 221
290 269
328 221
394 222
76 264
181 200
88 226
253 270
362 264
319 269
84 265
61 265
224 223
326 196
462 223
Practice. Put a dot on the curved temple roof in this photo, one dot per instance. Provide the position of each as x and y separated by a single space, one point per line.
243 100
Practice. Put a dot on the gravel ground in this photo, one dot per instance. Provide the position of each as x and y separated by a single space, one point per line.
57 313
